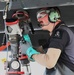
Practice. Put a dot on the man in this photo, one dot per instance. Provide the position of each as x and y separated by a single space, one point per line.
59 46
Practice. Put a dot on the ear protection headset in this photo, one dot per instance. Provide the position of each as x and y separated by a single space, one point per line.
54 15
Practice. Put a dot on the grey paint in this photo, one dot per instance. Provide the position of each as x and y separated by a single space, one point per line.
67 15
31 4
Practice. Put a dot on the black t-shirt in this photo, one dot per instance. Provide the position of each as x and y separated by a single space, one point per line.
60 39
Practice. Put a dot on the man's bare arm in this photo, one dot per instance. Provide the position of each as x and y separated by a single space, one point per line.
49 59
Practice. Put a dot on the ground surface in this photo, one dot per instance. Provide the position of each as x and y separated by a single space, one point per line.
36 69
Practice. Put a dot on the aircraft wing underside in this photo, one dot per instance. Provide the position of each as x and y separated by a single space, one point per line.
66 7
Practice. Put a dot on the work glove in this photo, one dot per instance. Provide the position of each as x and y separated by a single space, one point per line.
26 48
27 38
30 52
26 44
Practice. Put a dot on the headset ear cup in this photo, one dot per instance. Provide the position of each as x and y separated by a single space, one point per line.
49 17
54 15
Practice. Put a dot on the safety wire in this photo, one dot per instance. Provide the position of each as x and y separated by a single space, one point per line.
21 2
4 17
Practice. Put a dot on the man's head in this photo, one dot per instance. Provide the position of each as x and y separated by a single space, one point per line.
48 18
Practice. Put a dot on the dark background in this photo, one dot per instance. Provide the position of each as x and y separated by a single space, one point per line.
39 37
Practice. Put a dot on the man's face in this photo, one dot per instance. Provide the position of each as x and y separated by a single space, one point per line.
43 20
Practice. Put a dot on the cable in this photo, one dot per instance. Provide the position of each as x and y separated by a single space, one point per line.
4 17
21 3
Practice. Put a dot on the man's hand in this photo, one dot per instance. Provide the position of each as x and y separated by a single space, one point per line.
27 48
31 51
27 38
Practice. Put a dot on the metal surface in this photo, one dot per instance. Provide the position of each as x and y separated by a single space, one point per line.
32 4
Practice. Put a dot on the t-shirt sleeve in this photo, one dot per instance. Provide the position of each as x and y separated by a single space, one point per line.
59 39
